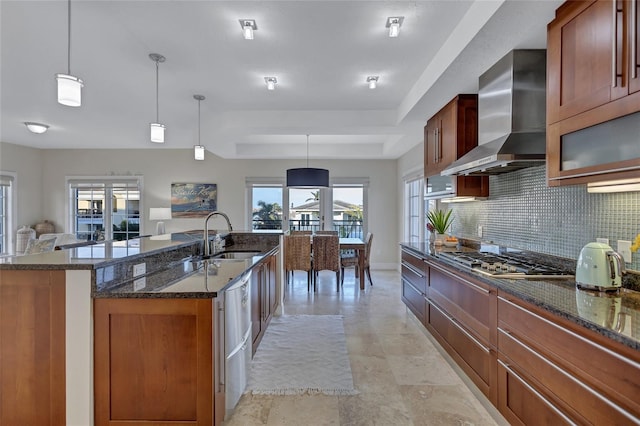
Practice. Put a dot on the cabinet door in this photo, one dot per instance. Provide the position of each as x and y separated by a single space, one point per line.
584 58
448 135
522 404
271 277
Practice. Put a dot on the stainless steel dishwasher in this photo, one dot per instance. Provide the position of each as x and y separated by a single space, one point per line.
237 340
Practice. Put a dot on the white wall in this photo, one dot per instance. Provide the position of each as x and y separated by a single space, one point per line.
27 163
161 167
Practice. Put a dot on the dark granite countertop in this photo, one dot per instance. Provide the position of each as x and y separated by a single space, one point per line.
614 315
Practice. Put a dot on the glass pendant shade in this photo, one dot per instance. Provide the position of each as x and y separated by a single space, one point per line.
308 177
157 132
198 152
69 90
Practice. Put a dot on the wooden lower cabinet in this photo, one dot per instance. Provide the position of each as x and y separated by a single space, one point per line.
414 284
32 348
154 362
415 301
582 376
264 298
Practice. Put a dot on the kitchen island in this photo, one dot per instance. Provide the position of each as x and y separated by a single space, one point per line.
539 349
51 303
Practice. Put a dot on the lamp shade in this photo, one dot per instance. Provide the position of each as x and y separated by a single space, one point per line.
69 90
157 132
308 177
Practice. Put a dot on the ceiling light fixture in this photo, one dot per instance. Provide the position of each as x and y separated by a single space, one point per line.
69 87
248 27
307 177
394 23
271 82
198 150
372 81
157 128
36 127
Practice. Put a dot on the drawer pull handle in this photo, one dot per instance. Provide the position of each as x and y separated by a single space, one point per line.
411 254
412 269
469 283
459 327
538 394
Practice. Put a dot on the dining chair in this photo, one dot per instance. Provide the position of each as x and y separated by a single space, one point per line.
297 256
326 232
349 258
301 232
326 257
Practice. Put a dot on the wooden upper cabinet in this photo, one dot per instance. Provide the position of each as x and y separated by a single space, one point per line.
592 78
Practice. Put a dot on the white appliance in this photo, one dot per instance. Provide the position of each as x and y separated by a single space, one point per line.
599 268
237 341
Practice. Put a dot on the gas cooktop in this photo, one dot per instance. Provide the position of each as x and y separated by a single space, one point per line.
511 265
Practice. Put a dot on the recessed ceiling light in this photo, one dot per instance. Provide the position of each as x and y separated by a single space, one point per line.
372 81
36 127
271 82
394 23
248 27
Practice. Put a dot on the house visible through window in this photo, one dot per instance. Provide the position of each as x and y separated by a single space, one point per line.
105 209
7 198
266 201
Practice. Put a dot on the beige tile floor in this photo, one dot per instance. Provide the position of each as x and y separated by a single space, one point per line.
403 376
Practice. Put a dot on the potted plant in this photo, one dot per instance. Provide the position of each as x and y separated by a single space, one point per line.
440 221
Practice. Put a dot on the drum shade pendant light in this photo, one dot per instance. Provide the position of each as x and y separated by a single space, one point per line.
69 87
307 177
157 128
198 150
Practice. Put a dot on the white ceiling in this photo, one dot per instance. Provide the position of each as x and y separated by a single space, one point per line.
320 51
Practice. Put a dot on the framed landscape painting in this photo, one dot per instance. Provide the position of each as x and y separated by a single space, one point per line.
193 200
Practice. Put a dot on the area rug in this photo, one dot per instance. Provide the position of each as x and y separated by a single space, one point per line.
302 354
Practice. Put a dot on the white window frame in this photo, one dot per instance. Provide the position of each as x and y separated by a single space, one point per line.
266 182
357 182
10 180
72 182
417 196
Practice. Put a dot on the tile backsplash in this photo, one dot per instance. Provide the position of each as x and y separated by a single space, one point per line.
523 212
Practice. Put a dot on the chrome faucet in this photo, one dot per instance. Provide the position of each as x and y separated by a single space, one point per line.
207 248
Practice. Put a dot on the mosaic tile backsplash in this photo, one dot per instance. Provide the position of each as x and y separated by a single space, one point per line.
523 212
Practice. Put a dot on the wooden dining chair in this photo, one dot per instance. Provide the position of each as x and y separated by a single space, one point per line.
326 232
301 232
349 258
326 257
297 255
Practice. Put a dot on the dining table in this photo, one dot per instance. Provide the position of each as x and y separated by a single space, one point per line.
358 245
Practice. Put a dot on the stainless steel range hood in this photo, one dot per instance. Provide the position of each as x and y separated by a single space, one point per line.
511 117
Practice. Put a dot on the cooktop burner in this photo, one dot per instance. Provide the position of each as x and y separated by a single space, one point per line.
510 265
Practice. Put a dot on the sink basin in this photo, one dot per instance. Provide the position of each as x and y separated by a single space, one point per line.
236 255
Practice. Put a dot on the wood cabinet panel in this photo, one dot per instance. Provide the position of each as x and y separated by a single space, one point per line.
415 300
32 348
598 386
634 46
472 355
471 303
154 361
264 298
521 404
414 270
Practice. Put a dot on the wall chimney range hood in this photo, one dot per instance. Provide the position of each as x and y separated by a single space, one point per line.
511 117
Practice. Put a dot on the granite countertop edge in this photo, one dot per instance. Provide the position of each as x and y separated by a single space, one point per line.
508 287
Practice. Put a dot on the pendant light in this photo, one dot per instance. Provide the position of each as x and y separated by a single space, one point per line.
69 87
198 150
157 128
307 177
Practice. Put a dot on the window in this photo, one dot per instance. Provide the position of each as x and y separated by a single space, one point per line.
266 201
414 213
7 212
349 208
105 208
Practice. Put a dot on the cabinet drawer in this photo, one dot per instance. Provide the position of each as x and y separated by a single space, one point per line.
579 366
414 300
522 404
415 277
472 304
474 356
414 260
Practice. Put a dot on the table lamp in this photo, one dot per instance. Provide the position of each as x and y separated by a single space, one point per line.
160 214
